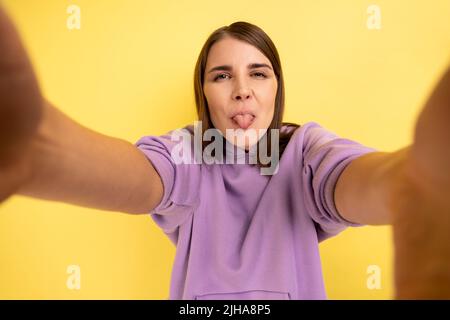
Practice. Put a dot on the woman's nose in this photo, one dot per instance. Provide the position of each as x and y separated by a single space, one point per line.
242 92
243 95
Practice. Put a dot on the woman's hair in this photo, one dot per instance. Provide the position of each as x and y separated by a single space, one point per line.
255 36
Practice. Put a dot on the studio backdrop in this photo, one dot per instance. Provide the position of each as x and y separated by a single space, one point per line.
362 69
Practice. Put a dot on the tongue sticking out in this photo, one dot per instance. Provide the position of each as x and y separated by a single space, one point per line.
244 120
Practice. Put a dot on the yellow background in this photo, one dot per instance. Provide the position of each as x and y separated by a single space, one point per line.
128 72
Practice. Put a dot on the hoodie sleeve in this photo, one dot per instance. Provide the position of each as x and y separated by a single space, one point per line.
325 156
180 179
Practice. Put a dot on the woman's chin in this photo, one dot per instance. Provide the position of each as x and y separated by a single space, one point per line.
246 146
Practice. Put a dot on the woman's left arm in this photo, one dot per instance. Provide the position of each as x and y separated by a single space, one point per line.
366 188
410 189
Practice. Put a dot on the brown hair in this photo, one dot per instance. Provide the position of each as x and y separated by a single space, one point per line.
255 36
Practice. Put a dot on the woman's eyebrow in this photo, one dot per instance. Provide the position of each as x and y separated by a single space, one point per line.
250 66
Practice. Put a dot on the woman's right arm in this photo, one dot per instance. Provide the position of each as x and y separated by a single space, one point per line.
45 154
73 164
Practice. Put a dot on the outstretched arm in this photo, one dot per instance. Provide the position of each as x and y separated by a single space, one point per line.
73 164
365 190
47 155
409 189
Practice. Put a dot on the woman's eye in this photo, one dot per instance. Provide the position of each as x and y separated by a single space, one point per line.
223 75
220 76
260 73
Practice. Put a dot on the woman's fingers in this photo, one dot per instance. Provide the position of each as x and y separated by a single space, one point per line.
20 97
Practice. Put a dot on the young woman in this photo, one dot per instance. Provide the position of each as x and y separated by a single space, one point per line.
239 234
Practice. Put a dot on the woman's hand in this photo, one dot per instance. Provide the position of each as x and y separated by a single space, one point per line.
20 108
421 204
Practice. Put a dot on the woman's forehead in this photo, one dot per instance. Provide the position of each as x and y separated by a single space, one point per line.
233 52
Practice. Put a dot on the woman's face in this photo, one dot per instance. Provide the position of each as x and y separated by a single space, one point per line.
240 87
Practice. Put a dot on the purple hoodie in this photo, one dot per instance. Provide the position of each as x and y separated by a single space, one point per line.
242 235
